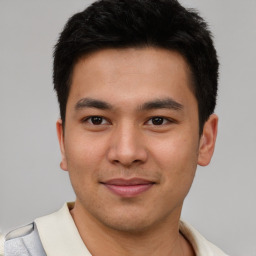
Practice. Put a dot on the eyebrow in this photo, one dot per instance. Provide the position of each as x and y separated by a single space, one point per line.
168 103
92 103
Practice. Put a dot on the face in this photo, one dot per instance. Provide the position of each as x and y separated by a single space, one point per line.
131 142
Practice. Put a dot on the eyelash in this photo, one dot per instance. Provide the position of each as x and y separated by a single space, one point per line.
87 119
163 119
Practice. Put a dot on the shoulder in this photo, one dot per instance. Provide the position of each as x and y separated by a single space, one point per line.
24 241
12 242
20 232
28 238
17 233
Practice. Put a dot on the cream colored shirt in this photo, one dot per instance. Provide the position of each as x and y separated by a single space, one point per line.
60 236
1 245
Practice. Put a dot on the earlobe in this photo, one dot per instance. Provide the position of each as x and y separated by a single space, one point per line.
60 134
207 140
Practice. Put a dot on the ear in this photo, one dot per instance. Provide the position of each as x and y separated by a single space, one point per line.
207 140
60 133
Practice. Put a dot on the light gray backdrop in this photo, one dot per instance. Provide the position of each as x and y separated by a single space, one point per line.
221 204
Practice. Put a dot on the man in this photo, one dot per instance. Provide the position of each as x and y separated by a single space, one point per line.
136 82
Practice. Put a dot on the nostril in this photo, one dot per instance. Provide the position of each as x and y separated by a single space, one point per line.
127 163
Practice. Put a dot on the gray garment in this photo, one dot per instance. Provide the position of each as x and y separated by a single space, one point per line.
24 242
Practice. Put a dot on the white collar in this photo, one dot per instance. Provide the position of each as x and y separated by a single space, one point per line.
60 236
201 246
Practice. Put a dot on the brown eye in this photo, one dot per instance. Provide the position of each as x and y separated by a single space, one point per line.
96 120
157 120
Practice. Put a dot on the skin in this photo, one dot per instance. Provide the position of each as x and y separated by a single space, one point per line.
126 143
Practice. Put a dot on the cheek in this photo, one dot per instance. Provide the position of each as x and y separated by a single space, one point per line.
83 150
177 158
81 168
83 158
175 149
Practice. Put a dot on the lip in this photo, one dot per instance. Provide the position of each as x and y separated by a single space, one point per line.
128 187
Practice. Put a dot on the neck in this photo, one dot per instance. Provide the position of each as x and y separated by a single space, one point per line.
162 239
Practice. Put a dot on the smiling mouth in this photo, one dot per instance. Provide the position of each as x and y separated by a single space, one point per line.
128 187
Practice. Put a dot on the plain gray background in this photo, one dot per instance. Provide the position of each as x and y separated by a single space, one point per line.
221 203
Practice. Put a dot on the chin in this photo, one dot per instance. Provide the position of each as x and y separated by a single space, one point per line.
131 221
128 225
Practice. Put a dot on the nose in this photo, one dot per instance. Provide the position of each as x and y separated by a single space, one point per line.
127 147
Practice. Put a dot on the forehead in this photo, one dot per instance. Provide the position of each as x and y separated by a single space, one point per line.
130 73
130 59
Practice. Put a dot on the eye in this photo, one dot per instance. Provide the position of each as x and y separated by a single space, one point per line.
157 120
96 120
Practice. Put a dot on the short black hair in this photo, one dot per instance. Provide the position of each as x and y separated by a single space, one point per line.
140 23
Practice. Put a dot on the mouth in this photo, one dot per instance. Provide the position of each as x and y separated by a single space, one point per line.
128 187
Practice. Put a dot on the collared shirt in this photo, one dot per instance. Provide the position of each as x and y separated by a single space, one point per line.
1 245
60 236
